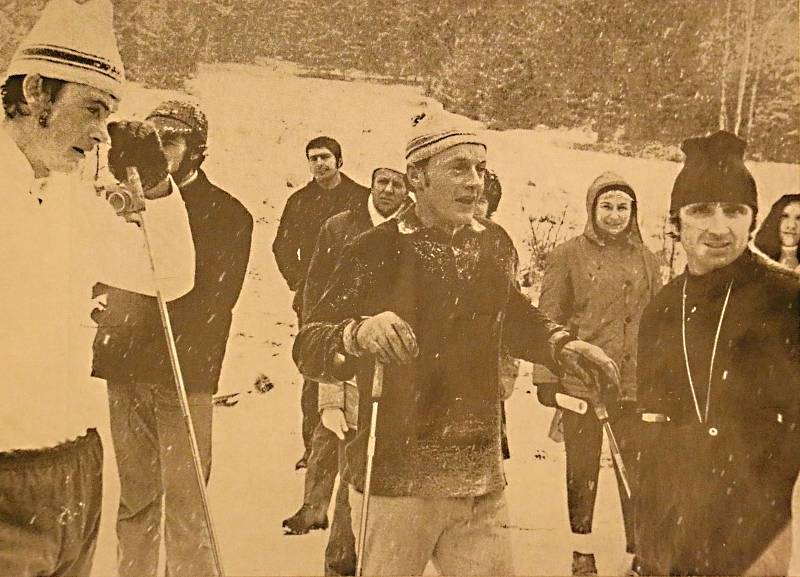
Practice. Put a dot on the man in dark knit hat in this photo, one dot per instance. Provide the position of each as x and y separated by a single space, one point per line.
150 441
430 294
719 378
329 193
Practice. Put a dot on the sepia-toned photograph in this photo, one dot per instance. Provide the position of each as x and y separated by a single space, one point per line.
369 287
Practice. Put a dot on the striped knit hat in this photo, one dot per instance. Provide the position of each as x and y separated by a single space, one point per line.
73 41
187 117
432 135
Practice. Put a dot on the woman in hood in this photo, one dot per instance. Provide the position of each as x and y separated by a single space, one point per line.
598 284
779 235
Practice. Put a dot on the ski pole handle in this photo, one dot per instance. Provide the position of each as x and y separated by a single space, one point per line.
571 403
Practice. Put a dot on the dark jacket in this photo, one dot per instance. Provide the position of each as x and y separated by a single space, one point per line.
336 233
130 345
303 216
438 432
599 289
714 494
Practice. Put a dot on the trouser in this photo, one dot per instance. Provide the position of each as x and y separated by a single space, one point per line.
340 554
322 468
50 503
309 404
461 535
583 440
157 476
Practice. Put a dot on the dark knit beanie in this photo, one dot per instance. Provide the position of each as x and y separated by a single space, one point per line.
714 171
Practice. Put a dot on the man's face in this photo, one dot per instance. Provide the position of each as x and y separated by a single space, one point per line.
451 184
175 150
790 225
322 164
76 124
388 190
714 234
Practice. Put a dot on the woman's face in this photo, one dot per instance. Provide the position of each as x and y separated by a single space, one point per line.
613 212
789 226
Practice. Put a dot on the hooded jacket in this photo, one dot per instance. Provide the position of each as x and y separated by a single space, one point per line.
768 238
598 289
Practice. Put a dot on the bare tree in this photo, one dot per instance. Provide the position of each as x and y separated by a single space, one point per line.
764 39
726 53
748 45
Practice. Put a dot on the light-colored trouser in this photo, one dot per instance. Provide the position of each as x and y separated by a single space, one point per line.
461 535
774 560
157 476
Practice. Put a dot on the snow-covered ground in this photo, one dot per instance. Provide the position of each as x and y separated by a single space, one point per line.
260 119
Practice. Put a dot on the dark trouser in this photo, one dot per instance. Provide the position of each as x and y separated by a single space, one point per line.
157 476
583 439
309 404
50 503
323 465
340 554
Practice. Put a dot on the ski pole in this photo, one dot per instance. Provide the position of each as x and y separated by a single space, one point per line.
602 415
136 184
377 391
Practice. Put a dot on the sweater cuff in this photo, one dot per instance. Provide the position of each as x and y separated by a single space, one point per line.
331 396
556 343
349 343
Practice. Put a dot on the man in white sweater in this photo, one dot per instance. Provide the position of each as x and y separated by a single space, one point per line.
59 237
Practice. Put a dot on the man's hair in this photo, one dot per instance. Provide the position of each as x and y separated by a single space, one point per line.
14 103
326 142
493 192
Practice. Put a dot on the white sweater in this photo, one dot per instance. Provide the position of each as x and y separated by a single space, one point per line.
57 239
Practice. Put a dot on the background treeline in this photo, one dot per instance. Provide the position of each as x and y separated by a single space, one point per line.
643 74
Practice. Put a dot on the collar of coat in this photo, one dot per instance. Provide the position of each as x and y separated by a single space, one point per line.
408 222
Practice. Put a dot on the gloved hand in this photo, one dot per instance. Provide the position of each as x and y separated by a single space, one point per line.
591 365
387 337
335 422
137 144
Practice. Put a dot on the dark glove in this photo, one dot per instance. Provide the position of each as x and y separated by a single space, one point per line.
546 393
136 144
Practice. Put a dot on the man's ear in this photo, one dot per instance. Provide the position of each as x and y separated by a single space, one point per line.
33 92
339 163
415 176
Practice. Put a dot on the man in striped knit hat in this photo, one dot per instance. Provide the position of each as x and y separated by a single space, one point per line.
59 238
431 294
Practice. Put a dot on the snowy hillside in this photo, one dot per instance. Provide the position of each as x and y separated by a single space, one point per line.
260 119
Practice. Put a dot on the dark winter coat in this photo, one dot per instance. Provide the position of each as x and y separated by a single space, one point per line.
335 234
438 432
303 216
130 346
714 494
599 289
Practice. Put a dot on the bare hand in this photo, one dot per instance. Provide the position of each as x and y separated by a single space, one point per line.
335 422
388 337
582 359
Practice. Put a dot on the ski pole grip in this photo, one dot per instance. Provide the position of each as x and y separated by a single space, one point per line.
377 381
571 403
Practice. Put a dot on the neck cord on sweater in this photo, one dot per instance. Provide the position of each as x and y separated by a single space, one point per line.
713 351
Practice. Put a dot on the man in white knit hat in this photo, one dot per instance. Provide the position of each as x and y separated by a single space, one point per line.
59 238
430 294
